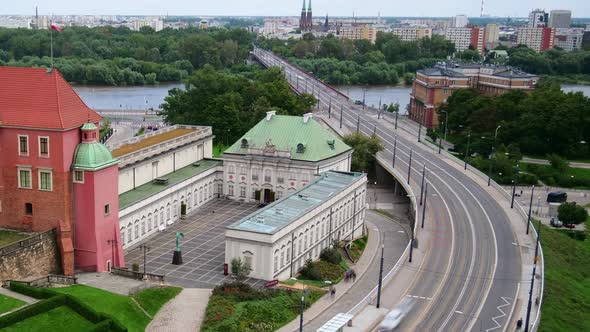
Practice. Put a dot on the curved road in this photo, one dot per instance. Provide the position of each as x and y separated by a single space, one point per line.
466 272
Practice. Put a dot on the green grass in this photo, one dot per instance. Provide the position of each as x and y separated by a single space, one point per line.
566 304
152 299
59 319
358 246
578 178
226 313
8 303
119 306
8 237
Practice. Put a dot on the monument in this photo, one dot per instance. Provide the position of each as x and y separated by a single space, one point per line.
177 257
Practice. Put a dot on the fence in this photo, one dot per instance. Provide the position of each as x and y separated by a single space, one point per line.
124 272
34 239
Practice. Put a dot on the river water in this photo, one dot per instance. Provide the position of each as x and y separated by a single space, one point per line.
142 97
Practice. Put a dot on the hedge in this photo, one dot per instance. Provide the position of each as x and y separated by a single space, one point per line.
32 310
34 292
109 325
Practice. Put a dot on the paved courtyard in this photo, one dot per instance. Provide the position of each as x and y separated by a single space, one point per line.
203 246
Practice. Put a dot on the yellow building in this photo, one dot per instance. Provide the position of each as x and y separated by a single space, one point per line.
355 32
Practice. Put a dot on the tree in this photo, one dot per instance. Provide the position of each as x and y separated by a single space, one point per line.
571 213
364 151
240 269
557 162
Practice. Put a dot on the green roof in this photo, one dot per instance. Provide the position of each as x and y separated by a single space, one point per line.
283 212
93 156
144 191
286 132
88 126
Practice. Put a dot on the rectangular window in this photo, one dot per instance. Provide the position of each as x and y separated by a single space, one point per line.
24 178
29 209
230 189
23 145
45 180
43 146
243 192
254 177
281 180
79 176
107 209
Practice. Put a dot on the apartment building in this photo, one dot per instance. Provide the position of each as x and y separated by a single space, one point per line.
538 39
412 33
356 32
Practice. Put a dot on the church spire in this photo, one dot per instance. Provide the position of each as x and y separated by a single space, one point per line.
303 9
309 8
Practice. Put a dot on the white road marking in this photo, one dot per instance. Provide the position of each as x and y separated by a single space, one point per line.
419 297
503 314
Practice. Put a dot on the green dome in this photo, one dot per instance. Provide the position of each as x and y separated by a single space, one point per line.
88 126
93 156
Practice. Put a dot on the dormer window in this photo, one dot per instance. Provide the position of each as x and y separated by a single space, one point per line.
300 148
244 143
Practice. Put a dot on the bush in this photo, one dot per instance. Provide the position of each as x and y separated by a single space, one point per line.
571 213
135 266
218 309
34 292
558 162
331 255
32 310
240 292
328 271
309 271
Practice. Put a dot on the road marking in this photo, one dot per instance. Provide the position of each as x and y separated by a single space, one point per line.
401 231
459 312
503 314
419 297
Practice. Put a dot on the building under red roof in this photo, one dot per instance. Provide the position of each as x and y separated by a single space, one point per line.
40 98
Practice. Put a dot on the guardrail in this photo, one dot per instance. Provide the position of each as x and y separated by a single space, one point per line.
124 272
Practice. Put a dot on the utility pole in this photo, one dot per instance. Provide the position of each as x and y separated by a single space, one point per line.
358 123
410 166
439 144
341 109
528 309
467 151
419 128
513 192
528 223
379 110
424 205
301 316
380 276
374 129
394 151
330 109
492 156
411 240
396 115
422 185
145 249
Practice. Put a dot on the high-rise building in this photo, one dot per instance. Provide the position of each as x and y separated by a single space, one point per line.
356 32
412 33
538 39
560 19
465 37
459 21
538 18
478 39
492 35
569 39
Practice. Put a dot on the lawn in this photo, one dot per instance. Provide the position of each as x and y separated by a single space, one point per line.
59 319
241 308
8 237
8 303
357 247
152 299
566 304
122 307
578 178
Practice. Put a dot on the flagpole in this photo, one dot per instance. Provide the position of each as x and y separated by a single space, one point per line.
51 46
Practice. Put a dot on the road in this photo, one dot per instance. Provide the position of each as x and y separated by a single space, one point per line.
467 271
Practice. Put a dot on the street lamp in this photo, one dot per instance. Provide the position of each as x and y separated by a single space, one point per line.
380 276
467 149
446 124
528 310
528 223
301 316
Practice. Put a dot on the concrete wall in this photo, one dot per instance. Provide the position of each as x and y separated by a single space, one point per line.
35 256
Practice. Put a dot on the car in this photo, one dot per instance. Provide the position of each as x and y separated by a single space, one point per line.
557 197
555 222
391 321
569 225
358 102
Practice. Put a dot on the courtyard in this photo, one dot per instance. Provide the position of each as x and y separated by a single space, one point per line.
203 246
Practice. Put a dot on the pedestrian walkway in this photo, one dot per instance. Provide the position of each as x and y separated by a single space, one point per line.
349 294
184 313
113 283
18 296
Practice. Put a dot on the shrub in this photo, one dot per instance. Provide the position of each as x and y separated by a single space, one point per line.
331 255
240 269
558 162
240 292
84 310
218 309
309 271
135 266
328 271
571 213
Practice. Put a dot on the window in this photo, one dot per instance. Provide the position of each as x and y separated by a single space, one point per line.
220 189
288 254
243 192
123 234
29 209
79 176
276 263
43 146
143 227
149 222
282 258
129 233
254 177
206 193
248 260
23 145
45 180
136 229
230 189
281 180
168 212
24 178
300 246
279 194
107 209
253 194
267 176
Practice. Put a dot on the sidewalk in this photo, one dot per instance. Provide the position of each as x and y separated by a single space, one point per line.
349 294
183 313
18 296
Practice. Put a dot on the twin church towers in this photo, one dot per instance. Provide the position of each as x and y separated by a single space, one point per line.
306 23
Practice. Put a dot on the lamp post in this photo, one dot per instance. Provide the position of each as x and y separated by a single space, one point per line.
364 95
492 155
440 144
341 110
380 276
422 184
446 124
420 126
301 315
358 123
410 166
394 150
528 223
467 150
424 205
396 115
145 249
513 192
528 309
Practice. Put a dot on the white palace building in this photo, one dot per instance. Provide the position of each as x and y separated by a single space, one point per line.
295 165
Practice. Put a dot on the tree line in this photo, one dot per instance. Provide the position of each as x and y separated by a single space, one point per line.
118 55
343 61
233 101
550 62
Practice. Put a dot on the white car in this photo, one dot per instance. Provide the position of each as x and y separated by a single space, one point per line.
392 320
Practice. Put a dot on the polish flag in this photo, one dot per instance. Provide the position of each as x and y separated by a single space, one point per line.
55 27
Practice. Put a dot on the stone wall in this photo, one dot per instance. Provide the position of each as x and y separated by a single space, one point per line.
32 257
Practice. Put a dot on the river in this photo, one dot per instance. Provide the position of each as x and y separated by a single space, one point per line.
142 97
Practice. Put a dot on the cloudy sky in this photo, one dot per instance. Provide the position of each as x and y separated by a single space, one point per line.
580 8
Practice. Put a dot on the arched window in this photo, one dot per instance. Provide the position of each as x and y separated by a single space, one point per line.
206 193
162 215
168 212
143 226
129 233
188 200
288 251
195 198
283 256
200 195
276 260
156 218
175 209
136 229
149 222
123 235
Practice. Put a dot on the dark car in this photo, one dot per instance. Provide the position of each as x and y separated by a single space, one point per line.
569 225
557 197
358 102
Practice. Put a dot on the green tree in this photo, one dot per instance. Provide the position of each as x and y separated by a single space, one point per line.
557 162
571 213
364 151
240 269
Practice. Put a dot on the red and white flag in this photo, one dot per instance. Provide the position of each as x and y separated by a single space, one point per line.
56 27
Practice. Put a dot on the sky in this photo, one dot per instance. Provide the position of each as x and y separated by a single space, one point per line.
429 8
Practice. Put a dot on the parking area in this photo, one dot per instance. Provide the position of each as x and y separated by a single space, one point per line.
203 246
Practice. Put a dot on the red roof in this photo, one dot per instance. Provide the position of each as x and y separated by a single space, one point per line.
36 98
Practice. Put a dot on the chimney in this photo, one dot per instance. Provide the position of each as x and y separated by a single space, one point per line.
306 117
270 114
